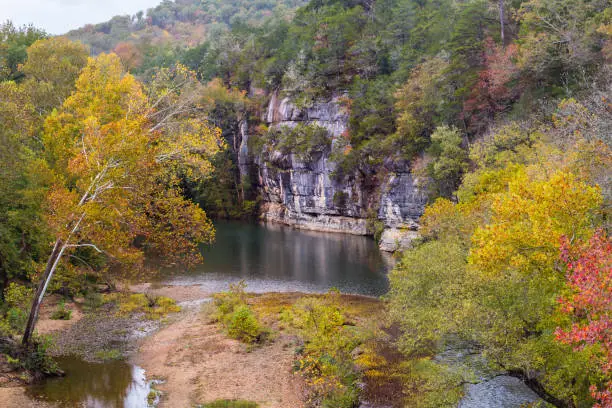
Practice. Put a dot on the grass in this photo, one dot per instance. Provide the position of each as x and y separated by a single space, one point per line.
62 312
154 307
230 404
108 355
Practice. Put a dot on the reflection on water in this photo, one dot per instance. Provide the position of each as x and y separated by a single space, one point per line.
95 385
273 257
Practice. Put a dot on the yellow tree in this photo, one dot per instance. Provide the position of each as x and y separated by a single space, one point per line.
118 168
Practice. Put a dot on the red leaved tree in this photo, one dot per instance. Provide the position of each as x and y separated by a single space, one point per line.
496 89
589 274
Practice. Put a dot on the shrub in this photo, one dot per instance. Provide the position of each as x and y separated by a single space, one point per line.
325 361
93 300
16 319
374 226
154 307
62 313
37 359
18 296
243 325
237 317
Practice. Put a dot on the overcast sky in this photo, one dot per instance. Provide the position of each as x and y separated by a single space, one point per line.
60 16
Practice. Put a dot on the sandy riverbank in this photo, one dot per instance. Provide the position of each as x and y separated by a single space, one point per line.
191 354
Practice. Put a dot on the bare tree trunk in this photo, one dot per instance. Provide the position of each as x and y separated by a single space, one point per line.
501 22
54 258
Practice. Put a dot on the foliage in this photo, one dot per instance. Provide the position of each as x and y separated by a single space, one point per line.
158 35
587 303
243 325
237 316
61 313
153 307
110 146
491 278
14 42
302 140
374 226
449 161
108 355
325 361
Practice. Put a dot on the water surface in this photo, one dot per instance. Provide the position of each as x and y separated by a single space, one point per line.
110 384
271 258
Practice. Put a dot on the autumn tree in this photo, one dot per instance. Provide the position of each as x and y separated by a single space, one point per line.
560 38
589 275
52 67
130 55
117 167
496 88
417 105
499 290
48 77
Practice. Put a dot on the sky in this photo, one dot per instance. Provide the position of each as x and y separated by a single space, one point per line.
61 16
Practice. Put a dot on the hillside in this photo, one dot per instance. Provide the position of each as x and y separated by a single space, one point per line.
152 37
471 138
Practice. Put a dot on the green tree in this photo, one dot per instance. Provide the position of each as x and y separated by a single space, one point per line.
14 42
449 160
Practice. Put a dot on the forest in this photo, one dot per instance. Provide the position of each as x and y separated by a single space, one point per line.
119 144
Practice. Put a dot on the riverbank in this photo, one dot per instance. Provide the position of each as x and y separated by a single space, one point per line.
190 354
198 363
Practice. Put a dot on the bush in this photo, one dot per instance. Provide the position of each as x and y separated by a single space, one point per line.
243 325
237 317
16 319
326 360
374 226
36 357
154 307
62 313
93 300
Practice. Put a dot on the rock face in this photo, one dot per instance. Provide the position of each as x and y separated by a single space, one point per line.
394 239
303 191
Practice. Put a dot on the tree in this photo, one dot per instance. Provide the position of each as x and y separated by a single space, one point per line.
22 180
130 55
52 67
48 78
14 42
589 276
117 168
495 90
449 160
418 104
559 38
489 277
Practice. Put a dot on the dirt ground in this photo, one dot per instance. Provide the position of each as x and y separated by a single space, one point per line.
200 364
197 362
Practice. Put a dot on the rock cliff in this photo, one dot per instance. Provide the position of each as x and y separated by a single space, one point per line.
304 191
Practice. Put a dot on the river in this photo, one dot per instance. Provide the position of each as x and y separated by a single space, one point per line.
276 258
270 258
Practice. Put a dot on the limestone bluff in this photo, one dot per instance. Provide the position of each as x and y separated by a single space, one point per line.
303 191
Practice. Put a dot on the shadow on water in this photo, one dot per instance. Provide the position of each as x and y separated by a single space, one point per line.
272 257
94 385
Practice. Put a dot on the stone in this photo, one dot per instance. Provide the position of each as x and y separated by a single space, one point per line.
303 191
397 239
